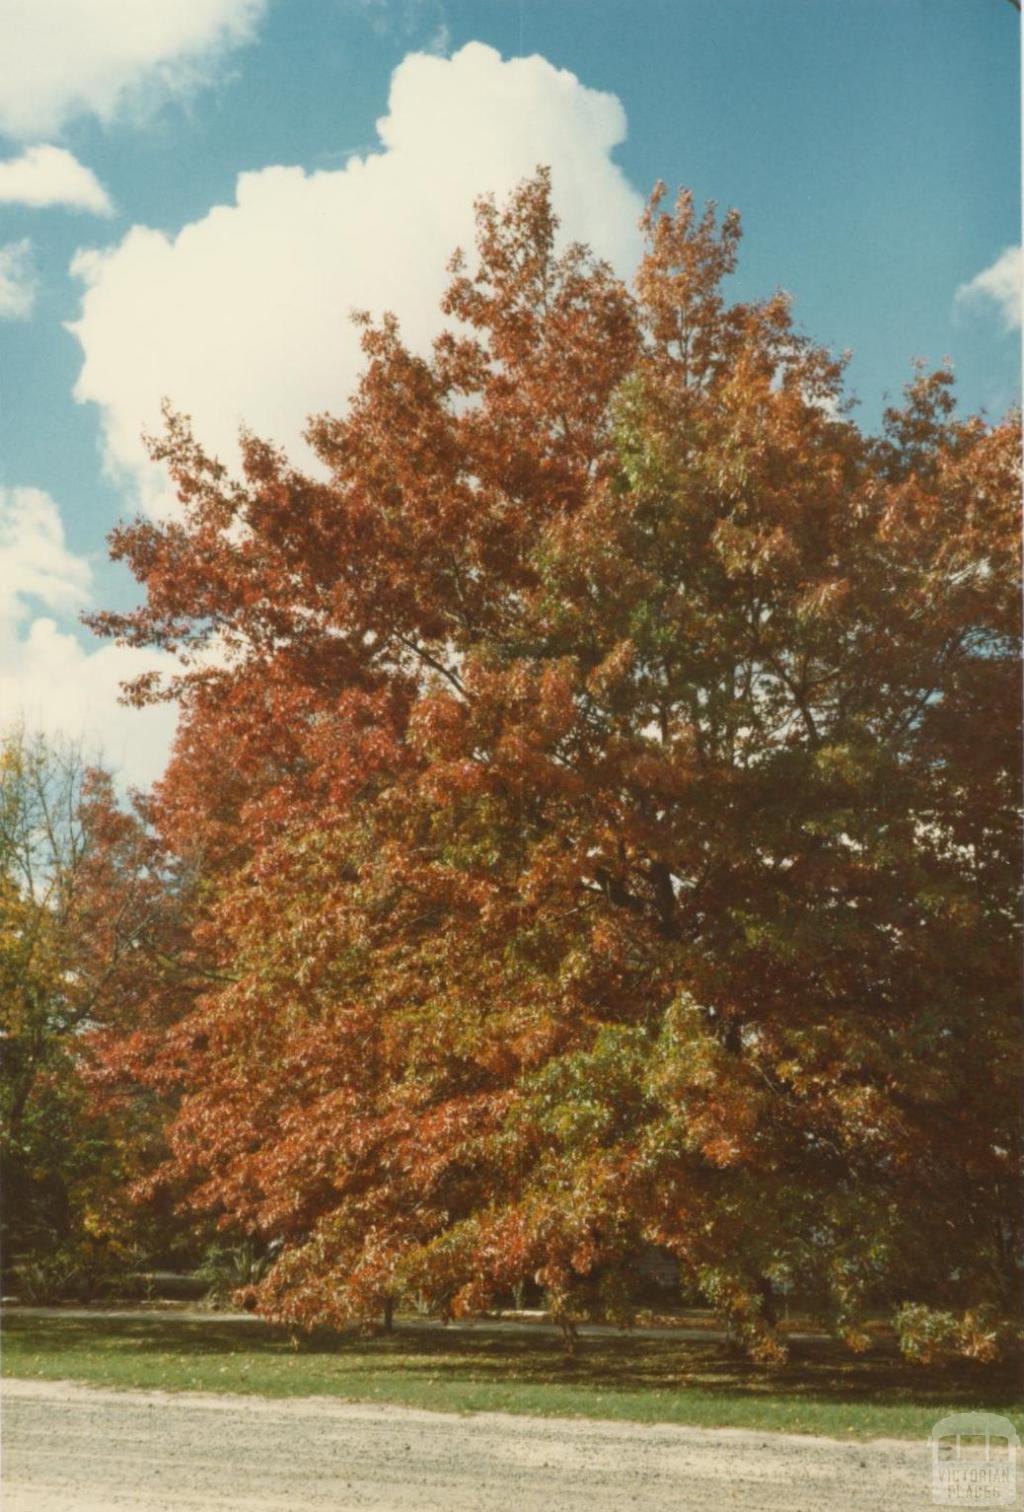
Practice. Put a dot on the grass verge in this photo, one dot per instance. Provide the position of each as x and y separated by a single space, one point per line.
632 1378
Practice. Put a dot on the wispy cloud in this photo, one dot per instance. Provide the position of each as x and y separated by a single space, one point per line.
48 677
45 176
998 288
35 563
67 58
17 280
420 23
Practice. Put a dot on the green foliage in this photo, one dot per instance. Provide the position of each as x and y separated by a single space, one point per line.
931 1336
81 900
233 1269
78 1271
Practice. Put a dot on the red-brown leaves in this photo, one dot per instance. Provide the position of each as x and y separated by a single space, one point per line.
595 831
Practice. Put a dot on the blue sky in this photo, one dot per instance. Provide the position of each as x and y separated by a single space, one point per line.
872 149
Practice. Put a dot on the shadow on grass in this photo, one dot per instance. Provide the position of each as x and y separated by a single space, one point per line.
816 1371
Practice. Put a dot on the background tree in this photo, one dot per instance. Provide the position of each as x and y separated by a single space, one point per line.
84 914
598 842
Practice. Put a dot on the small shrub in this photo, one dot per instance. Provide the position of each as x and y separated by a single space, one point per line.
929 1336
233 1271
45 1280
80 1272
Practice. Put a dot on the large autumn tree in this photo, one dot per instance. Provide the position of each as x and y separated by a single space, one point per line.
604 776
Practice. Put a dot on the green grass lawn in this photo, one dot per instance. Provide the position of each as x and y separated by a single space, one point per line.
649 1380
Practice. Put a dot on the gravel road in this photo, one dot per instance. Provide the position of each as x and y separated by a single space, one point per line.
73 1448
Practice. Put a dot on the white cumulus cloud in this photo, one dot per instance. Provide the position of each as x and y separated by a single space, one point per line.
998 287
243 316
65 58
17 280
45 175
48 678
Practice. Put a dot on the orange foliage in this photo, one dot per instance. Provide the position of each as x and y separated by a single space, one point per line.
604 796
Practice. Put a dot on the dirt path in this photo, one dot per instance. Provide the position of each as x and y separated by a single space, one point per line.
76 1449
